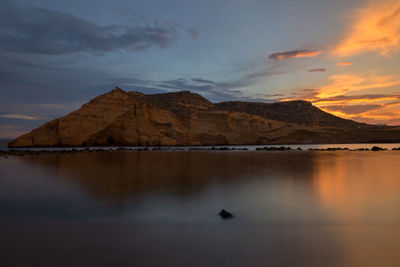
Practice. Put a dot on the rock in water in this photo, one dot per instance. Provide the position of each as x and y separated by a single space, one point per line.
225 215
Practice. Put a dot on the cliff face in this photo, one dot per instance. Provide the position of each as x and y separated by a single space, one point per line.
184 118
121 118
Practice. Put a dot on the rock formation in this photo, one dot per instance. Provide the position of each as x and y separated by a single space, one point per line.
184 118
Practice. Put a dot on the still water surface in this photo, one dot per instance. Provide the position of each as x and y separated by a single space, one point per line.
147 208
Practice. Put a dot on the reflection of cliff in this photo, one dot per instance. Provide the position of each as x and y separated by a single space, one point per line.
114 176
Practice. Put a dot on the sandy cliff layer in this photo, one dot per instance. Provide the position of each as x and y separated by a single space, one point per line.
183 118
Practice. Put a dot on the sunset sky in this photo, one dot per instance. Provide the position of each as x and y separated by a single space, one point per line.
341 55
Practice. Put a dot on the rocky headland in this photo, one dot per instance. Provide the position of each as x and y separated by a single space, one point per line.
120 118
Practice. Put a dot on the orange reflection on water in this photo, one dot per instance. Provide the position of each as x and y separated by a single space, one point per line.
347 186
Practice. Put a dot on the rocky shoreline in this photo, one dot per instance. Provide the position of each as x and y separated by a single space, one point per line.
17 152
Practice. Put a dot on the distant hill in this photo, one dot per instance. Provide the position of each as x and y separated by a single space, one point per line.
185 118
298 112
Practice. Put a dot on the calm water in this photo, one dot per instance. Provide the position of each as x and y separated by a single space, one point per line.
248 147
296 208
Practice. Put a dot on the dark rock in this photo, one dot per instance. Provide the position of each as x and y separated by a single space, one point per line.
225 215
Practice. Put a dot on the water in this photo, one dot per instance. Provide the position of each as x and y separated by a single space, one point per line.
242 147
147 208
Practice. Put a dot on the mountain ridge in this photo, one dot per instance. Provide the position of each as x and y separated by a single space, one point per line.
296 111
184 118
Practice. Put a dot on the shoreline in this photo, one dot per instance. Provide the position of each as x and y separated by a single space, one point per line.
42 151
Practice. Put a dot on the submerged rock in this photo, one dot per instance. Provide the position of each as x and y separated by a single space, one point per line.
225 215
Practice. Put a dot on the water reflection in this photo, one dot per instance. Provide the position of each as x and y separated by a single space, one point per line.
151 208
296 187
116 176
359 187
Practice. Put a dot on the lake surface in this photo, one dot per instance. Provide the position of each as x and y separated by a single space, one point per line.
188 148
148 208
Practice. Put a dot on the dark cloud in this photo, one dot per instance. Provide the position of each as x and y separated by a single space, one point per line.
351 109
200 80
271 95
130 81
313 94
37 30
193 33
308 93
358 97
317 70
214 91
132 87
264 73
184 84
294 54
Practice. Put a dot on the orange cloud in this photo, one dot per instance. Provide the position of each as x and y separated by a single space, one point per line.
369 108
341 64
357 99
368 114
375 28
346 83
294 54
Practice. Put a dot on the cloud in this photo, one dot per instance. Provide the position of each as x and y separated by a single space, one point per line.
370 97
379 109
294 54
342 64
19 117
368 108
270 95
358 98
193 33
347 83
200 80
260 74
351 109
36 30
317 70
11 131
375 28
212 90
389 114
184 84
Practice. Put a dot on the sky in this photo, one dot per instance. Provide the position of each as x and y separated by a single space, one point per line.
340 55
